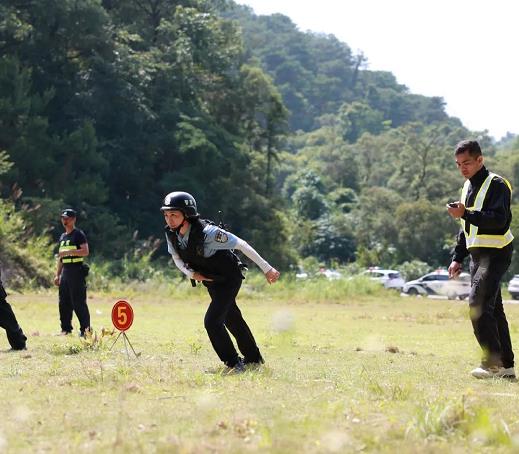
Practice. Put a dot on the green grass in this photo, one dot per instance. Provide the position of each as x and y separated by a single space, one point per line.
371 373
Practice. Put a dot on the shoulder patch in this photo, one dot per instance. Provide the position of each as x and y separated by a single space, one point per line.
221 236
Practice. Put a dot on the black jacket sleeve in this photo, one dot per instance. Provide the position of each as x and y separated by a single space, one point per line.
460 250
497 208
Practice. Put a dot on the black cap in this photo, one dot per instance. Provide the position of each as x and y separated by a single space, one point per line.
68 213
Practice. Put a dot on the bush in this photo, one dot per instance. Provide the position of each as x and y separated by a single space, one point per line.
413 269
317 290
27 258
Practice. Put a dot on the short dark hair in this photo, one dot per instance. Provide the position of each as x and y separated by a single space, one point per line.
472 146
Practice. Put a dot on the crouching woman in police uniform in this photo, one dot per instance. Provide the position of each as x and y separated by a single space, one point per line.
203 252
70 275
8 321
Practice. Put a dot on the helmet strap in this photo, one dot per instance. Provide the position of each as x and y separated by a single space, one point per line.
183 223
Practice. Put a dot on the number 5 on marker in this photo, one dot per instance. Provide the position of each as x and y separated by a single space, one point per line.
122 315
122 318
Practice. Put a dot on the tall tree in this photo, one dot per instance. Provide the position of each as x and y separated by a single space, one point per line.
264 117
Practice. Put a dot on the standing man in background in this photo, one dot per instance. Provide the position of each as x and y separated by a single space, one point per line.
485 215
8 321
70 275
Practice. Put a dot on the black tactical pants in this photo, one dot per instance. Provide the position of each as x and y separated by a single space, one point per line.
223 314
72 298
487 267
8 321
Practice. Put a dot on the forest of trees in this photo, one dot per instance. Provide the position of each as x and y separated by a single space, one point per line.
107 105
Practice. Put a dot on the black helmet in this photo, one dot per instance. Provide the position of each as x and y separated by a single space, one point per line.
181 201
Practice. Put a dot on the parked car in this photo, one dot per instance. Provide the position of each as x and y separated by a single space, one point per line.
438 283
389 278
329 274
301 275
513 287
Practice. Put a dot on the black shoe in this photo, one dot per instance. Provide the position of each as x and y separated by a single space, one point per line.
258 361
17 339
85 333
237 368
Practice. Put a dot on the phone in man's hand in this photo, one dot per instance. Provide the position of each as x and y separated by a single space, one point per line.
452 205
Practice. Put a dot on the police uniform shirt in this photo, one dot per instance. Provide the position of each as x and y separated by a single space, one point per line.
72 241
216 239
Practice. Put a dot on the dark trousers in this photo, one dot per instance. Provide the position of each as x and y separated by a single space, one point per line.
72 298
487 267
223 314
8 321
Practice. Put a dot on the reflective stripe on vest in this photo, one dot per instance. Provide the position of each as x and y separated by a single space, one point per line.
483 240
70 259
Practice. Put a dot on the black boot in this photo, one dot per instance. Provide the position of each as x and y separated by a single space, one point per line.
237 368
17 339
257 361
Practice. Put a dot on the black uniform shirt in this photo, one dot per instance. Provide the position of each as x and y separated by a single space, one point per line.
495 216
75 238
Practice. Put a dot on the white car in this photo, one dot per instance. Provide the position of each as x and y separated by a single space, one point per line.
331 275
389 278
438 283
513 287
302 275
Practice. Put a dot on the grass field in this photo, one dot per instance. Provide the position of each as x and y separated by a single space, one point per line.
370 373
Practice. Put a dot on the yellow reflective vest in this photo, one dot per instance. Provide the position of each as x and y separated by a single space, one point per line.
66 246
472 238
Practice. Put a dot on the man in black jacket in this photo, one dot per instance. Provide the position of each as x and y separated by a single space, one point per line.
8 321
485 216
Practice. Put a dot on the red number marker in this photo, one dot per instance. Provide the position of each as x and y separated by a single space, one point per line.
122 315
